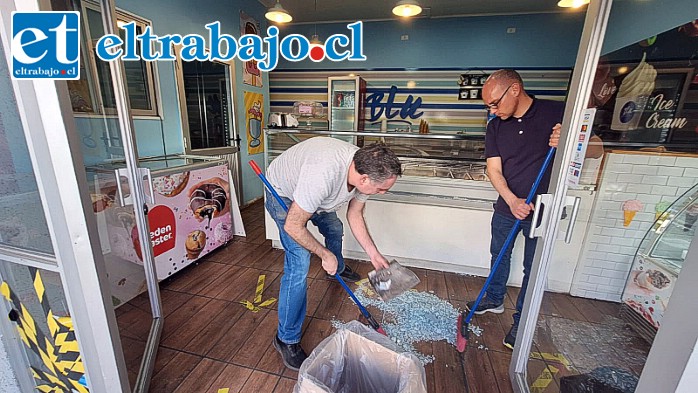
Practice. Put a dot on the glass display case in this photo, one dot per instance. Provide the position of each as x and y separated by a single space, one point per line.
438 169
658 263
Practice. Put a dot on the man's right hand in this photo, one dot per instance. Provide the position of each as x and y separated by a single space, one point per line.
329 262
520 209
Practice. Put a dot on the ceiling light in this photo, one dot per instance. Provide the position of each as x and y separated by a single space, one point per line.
278 14
572 3
407 8
315 40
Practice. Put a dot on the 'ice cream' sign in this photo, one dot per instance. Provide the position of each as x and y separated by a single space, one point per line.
659 104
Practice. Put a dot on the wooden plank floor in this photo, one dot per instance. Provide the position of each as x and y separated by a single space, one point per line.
211 341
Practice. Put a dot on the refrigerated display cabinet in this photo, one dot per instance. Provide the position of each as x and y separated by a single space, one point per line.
658 263
345 100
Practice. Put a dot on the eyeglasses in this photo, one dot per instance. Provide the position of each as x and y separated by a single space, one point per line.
495 104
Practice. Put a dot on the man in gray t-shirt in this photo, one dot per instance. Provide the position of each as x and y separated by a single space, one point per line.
315 178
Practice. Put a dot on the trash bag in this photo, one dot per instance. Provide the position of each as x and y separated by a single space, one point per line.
358 359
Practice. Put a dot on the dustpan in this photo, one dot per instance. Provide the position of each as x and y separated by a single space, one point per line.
393 281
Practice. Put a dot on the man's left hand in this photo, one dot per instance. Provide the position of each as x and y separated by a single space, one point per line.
555 136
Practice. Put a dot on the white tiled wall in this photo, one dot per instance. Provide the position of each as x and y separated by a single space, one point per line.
610 247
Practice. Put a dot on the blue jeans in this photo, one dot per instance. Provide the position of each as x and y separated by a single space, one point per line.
501 226
294 285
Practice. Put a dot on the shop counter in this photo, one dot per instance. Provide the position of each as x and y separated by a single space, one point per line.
438 214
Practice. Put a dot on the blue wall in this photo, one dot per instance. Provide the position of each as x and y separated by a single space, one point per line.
190 17
540 40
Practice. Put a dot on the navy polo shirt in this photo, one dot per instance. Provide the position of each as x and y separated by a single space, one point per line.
522 144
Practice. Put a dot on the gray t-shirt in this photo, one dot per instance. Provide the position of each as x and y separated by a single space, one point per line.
314 174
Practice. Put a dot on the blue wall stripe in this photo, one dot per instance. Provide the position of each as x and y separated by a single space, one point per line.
438 89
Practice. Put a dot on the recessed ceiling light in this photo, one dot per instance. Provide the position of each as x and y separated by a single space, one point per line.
407 8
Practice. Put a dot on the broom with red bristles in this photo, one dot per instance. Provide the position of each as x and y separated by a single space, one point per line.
371 321
463 319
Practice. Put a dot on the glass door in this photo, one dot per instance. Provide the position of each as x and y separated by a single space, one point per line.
344 101
206 92
586 339
121 204
60 332
538 361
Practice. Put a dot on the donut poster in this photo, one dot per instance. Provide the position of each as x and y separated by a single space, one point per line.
192 216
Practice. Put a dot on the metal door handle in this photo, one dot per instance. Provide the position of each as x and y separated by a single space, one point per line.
120 191
541 200
573 218
145 173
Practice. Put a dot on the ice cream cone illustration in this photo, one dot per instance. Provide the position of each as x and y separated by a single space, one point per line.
630 208
195 243
660 209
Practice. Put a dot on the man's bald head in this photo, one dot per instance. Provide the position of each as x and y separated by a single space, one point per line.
504 78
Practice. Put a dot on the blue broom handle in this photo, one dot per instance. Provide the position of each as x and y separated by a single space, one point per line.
271 189
510 238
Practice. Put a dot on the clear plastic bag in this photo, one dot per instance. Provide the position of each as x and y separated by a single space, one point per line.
358 359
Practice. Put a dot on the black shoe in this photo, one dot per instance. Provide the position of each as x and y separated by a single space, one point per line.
486 305
292 354
348 275
510 338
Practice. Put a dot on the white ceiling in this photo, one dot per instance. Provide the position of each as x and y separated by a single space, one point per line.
312 11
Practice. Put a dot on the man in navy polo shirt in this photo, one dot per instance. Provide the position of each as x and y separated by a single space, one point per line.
516 143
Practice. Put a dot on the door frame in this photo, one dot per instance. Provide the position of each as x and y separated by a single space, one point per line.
591 41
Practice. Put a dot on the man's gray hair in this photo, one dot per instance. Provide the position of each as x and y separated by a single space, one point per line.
378 162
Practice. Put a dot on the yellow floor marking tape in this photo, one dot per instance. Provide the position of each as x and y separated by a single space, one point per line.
249 306
260 289
224 390
268 302
258 297
555 357
544 379
366 286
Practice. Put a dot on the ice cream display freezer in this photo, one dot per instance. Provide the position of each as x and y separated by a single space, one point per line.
192 211
658 263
